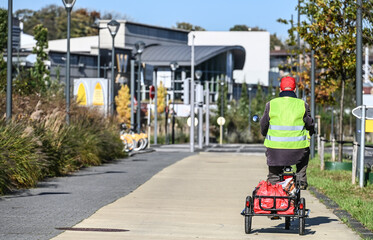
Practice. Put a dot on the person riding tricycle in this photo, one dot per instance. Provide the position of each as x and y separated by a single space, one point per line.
286 125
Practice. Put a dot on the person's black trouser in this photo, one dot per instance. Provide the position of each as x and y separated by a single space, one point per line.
275 171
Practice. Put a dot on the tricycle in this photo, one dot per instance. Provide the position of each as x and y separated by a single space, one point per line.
290 205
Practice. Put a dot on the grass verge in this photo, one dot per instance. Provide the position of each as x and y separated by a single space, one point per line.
337 186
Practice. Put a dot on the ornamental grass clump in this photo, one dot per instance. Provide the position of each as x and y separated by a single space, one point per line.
38 142
21 159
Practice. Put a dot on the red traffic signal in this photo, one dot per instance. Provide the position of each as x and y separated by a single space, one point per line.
152 92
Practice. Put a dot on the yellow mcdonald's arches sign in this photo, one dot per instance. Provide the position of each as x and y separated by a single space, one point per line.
122 63
81 97
98 95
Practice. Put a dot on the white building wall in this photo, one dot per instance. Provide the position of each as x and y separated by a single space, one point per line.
105 37
80 44
257 48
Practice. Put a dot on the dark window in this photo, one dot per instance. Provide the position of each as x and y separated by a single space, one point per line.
88 60
157 32
58 58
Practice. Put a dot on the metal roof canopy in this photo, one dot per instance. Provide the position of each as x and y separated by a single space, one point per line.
163 55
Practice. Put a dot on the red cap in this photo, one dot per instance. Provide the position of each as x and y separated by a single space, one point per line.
287 84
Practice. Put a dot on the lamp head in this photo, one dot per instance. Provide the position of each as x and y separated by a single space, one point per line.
69 4
198 74
140 46
174 65
113 27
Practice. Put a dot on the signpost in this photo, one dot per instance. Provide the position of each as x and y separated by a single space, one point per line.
221 122
151 97
362 112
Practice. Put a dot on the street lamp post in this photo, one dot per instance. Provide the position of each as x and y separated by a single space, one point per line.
174 66
69 4
97 26
192 96
207 131
198 74
140 46
9 63
222 99
113 27
250 88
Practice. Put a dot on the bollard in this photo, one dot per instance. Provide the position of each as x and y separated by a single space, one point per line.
322 162
333 150
354 162
318 143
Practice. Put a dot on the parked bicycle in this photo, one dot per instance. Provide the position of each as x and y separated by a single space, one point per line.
133 141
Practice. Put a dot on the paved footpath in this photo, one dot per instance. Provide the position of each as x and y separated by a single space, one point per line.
201 197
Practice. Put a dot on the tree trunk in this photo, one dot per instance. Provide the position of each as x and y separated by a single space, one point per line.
340 130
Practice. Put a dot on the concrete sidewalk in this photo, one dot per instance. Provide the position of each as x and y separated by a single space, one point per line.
201 197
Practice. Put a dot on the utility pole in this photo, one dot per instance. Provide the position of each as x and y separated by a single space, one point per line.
192 97
9 63
359 98
298 44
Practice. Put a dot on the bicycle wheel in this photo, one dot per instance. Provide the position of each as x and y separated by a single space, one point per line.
248 218
302 218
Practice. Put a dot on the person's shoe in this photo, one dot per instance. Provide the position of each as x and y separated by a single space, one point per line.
243 212
303 186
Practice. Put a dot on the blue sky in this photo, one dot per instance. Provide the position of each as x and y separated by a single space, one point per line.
213 15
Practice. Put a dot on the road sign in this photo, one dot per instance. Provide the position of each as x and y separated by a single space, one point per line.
368 113
221 121
152 92
368 125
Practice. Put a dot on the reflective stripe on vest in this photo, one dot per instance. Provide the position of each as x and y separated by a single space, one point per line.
286 126
286 139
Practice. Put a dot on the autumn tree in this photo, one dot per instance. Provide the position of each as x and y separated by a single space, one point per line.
188 26
329 28
53 17
123 102
161 98
274 40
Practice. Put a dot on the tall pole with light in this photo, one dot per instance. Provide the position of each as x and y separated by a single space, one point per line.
96 25
298 46
250 88
140 46
69 4
173 65
9 63
199 96
313 106
113 27
359 99
192 96
207 131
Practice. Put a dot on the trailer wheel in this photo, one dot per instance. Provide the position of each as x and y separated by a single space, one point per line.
248 218
302 217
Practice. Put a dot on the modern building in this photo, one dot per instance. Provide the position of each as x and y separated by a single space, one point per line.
221 61
223 57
